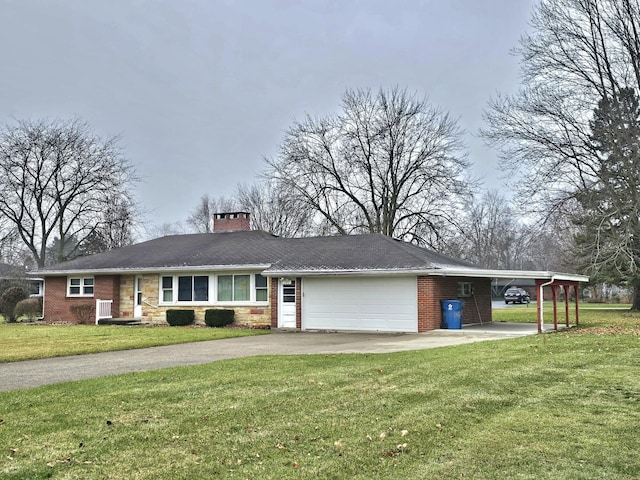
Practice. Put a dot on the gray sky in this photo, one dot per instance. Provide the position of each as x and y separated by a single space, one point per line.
201 90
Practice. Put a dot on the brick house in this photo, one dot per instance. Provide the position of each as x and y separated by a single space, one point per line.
357 282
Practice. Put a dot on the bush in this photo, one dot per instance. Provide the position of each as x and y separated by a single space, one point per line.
84 313
218 318
8 302
29 307
180 317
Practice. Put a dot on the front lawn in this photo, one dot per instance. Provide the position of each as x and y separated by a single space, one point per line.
554 406
591 314
27 342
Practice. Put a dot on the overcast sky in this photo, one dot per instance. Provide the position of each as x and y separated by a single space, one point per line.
201 90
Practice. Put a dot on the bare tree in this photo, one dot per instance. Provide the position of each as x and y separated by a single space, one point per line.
579 52
275 210
388 163
201 218
491 234
117 229
56 180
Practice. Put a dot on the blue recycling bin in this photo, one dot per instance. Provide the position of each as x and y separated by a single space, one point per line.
451 314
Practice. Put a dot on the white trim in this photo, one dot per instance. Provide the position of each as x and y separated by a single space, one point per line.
440 272
81 286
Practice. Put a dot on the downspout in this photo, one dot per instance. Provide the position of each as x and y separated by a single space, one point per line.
540 301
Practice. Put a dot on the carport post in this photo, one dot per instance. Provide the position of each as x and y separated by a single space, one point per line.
539 304
575 289
566 304
554 296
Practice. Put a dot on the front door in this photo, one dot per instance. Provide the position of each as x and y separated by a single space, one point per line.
287 303
137 298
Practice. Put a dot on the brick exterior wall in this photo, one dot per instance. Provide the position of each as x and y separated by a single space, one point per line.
299 303
57 304
433 289
273 301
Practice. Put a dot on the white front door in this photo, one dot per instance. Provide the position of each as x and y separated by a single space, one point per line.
137 298
287 303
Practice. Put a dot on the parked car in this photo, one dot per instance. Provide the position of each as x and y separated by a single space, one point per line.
516 295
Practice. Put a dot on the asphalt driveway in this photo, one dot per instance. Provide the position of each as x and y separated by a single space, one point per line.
33 373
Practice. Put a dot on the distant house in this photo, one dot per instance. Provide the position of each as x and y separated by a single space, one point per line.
11 275
357 282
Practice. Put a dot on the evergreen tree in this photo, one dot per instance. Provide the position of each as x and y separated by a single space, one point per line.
609 206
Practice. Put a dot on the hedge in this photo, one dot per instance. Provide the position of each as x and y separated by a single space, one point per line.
180 317
218 317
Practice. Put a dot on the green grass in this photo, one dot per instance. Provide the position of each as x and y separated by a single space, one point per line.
591 314
25 342
553 406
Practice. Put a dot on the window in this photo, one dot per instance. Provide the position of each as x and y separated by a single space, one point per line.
80 286
465 289
247 287
289 291
225 288
234 288
261 288
193 288
167 289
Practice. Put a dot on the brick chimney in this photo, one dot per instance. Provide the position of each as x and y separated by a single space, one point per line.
224 222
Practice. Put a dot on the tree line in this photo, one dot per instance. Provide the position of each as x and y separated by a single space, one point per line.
389 162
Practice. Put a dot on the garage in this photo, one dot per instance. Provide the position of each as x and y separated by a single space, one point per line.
386 304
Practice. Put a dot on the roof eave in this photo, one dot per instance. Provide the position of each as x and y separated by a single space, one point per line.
441 272
521 274
133 271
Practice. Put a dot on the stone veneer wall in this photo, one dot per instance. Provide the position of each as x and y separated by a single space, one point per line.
249 316
431 290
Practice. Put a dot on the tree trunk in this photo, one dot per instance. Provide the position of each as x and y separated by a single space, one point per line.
635 306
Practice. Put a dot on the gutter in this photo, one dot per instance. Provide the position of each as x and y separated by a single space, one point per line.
157 269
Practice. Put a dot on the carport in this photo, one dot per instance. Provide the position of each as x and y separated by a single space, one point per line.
567 282
543 279
554 281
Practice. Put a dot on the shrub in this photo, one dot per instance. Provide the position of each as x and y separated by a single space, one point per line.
84 313
29 307
9 300
218 318
180 317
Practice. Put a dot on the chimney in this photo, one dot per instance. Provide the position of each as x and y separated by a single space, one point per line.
225 222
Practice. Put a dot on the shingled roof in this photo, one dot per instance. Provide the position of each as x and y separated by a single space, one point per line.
273 255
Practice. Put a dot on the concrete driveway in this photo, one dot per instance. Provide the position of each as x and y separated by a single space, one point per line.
33 373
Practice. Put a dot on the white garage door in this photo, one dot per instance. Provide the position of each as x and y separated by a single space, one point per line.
380 304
